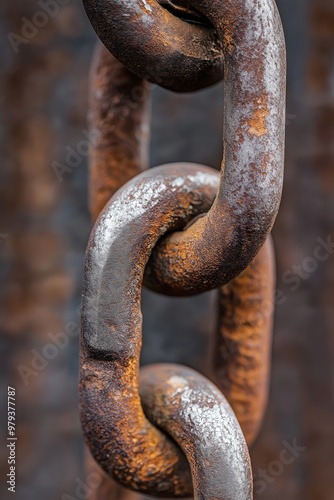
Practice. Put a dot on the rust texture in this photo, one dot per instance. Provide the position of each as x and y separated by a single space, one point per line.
157 45
249 194
44 110
252 169
119 103
242 349
121 439
235 214
252 288
187 406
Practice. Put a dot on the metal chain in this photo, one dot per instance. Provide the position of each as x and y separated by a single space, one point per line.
249 194
128 237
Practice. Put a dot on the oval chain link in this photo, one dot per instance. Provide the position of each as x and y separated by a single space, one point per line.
129 236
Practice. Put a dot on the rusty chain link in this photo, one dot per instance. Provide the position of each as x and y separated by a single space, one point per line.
212 238
157 45
252 172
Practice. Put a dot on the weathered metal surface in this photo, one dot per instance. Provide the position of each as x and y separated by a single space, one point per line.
156 45
246 304
252 170
119 103
243 342
123 442
183 10
185 405
300 405
242 348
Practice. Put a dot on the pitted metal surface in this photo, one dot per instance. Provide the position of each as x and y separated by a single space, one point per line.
187 406
119 113
252 169
156 45
249 193
127 446
121 439
242 348
181 230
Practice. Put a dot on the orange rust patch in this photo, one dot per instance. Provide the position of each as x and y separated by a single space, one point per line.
257 124
228 39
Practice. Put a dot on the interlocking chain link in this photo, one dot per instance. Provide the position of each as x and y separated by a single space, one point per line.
252 171
222 242
156 45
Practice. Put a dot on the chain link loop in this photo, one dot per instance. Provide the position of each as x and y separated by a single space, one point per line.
212 240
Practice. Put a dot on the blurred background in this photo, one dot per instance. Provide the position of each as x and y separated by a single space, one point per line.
44 227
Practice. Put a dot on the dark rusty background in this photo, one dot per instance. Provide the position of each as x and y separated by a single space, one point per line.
44 228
